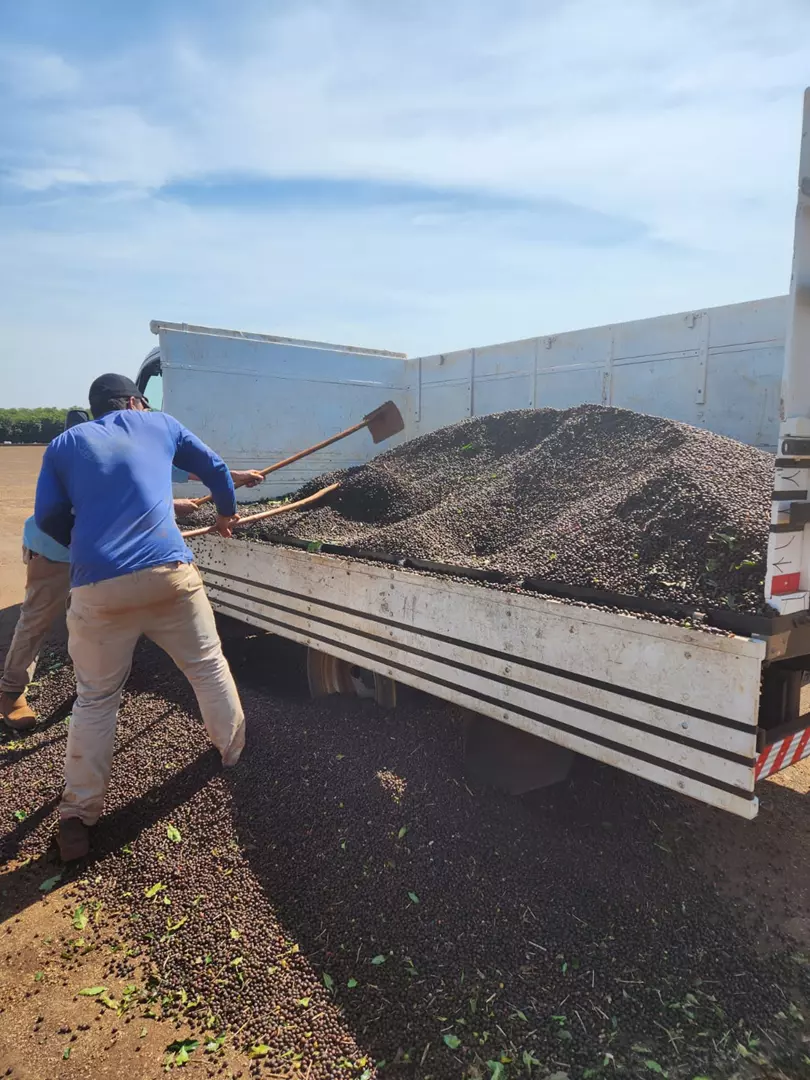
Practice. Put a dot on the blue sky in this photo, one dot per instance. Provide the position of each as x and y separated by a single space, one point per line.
414 177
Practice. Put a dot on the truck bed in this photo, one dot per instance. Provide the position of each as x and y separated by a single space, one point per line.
705 714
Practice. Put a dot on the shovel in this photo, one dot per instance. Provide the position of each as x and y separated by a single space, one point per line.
382 423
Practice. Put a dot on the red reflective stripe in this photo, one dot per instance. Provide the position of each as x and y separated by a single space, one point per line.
800 748
762 761
780 757
772 758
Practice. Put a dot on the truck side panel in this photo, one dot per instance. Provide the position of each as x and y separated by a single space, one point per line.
575 676
257 398
719 369
256 401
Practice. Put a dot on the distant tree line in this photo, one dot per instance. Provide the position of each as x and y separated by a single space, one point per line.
31 425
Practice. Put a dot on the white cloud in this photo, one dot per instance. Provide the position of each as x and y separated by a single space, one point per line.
101 144
34 74
507 99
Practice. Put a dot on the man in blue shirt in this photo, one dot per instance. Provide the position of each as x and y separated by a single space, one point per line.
105 490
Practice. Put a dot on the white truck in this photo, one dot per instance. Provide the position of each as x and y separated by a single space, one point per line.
702 713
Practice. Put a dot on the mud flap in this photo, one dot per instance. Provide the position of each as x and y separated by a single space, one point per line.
504 757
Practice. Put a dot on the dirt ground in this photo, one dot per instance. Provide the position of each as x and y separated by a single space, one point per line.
670 905
48 1027
19 466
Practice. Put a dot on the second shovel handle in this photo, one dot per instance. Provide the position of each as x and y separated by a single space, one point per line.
265 513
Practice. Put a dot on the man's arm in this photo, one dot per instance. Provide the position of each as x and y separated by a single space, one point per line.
240 477
184 508
52 506
193 456
246 477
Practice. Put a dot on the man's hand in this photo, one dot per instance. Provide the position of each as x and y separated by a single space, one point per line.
183 508
224 525
246 477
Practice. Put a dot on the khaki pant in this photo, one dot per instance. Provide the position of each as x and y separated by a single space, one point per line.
168 604
47 585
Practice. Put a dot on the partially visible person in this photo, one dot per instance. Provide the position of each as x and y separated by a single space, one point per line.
47 584
105 491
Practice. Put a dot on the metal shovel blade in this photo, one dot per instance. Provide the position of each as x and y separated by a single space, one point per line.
384 422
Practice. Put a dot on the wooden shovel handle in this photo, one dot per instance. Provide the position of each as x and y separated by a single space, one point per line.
301 454
265 513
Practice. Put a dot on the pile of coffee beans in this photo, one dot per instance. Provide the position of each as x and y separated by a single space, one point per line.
593 497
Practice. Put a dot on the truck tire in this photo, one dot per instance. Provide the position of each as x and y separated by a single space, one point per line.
327 674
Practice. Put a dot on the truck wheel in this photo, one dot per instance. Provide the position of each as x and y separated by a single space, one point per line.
329 674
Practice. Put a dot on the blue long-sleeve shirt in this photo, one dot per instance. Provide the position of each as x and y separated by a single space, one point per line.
105 489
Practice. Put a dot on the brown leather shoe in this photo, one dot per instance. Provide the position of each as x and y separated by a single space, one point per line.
16 712
73 839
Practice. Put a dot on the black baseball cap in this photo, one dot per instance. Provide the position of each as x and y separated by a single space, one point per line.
107 388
